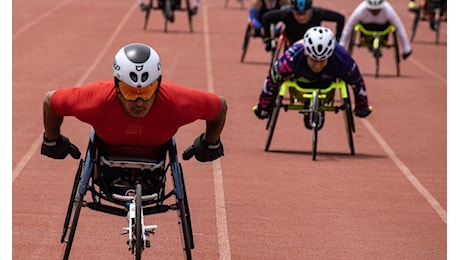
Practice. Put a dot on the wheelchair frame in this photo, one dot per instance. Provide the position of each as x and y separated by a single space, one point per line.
134 205
420 15
317 99
376 45
167 11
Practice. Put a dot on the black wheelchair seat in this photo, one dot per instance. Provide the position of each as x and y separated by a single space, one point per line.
118 176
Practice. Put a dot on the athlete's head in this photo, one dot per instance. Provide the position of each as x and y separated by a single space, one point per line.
137 75
319 43
137 71
301 5
374 4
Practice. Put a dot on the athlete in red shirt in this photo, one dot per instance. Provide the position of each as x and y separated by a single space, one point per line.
135 113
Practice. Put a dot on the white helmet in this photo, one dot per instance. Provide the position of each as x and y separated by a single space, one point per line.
137 65
319 43
374 4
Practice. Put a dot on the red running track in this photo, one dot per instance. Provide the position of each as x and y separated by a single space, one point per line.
388 201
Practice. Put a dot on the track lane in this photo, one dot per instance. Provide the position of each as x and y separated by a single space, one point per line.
357 212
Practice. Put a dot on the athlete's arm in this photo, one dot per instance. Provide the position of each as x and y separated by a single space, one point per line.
215 126
52 122
332 16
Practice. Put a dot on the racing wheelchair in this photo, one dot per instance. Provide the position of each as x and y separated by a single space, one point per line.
312 103
434 9
374 41
131 188
168 8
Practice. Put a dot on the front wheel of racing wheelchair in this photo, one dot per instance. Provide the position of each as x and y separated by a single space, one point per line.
132 188
374 37
312 102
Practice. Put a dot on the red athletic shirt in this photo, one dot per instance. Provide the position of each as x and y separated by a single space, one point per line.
98 104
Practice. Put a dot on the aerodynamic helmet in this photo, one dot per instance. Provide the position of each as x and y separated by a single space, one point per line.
374 4
137 65
301 5
319 43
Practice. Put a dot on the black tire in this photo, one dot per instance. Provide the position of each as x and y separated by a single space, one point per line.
77 204
189 15
246 38
314 117
167 13
272 119
397 56
184 222
147 14
349 124
183 211
187 211
71 201
139 244
439 21
415 23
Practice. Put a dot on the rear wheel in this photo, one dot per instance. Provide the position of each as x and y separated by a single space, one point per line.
349 124
184 222
415 23
77 204
438 21
189 15
168 14
71 201
272 121
247 37
397 57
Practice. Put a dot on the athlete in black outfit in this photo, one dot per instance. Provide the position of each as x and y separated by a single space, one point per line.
299 18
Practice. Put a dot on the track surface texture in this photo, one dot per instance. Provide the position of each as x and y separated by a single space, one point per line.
388 201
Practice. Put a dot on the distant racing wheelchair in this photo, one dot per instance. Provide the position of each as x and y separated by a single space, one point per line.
375 38
130 188
312 103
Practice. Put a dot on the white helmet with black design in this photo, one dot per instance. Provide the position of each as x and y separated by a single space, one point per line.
319 43
374 4
137 65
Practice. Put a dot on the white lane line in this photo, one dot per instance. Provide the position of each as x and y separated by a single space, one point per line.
34 147
221 215
407 173
41 17
427 70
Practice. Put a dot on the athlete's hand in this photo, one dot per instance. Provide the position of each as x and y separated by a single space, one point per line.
59 148
268 44
204 151
260 112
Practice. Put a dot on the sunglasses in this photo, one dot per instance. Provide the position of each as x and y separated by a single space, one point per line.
132 93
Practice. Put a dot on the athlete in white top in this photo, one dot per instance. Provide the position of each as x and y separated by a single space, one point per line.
376 12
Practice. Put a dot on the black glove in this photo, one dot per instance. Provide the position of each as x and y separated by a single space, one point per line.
203 151
59 148
260 112
268 44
